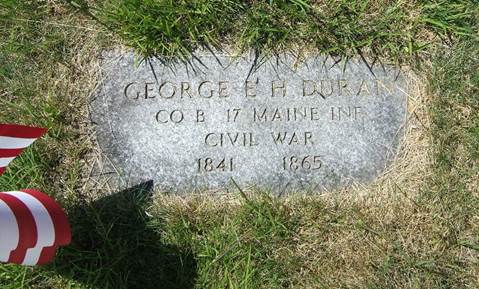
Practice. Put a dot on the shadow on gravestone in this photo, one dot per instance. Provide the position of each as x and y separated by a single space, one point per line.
113 246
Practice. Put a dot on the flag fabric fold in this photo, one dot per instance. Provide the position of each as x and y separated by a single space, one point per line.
35 226
14 139
32 224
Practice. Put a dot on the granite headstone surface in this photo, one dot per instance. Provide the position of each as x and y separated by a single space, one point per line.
281 125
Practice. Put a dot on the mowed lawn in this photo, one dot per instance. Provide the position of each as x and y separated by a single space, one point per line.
421 235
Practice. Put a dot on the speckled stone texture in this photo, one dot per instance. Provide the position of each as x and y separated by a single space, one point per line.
281 125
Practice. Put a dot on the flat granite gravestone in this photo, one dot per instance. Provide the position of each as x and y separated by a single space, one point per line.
281 125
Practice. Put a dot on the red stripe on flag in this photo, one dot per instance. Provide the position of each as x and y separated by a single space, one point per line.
26 225
58 216
21 131
2 170
10 153
47 255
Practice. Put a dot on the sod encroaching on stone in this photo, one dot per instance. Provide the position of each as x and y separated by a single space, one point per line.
284 126
164 28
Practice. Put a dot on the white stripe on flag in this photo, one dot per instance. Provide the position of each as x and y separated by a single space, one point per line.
5 161
7 142
10 235
33 255
45 229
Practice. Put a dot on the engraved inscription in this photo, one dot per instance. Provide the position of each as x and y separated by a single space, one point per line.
295 163
208 165
284 125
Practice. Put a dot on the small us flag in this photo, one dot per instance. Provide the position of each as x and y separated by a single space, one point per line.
14 139
32 225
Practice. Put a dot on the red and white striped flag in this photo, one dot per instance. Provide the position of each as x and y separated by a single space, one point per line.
32 225
14 139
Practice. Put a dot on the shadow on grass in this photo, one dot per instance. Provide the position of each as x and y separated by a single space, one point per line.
115 247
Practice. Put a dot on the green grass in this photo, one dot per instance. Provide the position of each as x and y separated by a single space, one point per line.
396 29
133 240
